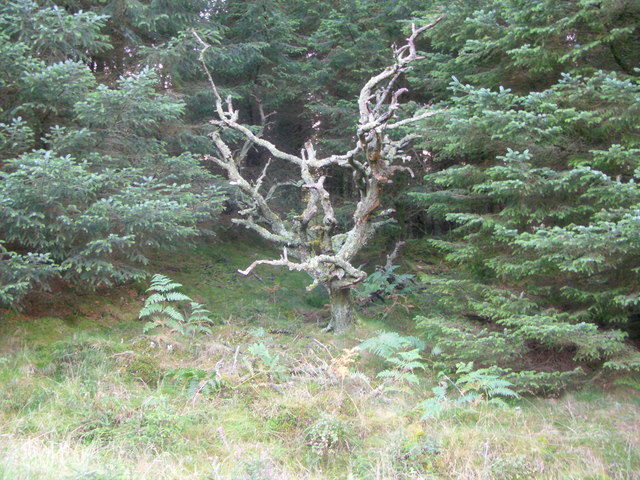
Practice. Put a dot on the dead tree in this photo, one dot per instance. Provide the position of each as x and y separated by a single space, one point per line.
311 242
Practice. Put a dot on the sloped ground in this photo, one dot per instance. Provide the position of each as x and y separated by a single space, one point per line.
85 395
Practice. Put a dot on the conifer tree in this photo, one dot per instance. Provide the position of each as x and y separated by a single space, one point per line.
87 184
538 182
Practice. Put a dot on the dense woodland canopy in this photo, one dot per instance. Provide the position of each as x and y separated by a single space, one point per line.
524 196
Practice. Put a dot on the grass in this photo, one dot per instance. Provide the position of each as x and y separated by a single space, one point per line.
84 395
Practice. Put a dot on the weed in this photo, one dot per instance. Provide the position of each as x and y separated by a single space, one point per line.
260 469
327 436
23 396
197 381
270 362
98 475
74 359
282 421
513 467
417 453
274 291
157 426
101 427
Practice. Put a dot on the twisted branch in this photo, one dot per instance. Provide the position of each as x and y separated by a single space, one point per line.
321 253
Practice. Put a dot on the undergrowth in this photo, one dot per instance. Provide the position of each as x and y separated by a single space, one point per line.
267 395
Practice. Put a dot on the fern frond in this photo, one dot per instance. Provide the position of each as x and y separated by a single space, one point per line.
386 344
503 392
497 402
198 309
173 313
410 355
151 309
158 281
176 297
168 287
431 408
155 298
468 397
148 326
175 325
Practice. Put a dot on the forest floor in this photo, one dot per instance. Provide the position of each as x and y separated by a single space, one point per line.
84 394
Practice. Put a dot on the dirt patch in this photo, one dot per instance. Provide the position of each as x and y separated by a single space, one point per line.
543 359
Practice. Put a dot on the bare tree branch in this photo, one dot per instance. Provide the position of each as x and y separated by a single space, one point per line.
393 255
310 237
311 264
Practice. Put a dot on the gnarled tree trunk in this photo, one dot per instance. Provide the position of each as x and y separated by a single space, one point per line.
341 304
312 239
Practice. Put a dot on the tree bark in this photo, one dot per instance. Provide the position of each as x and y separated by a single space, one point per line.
312 237
341 303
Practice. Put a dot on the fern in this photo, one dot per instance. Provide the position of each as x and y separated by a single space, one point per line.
270 362
163 308
197 381
386 344
155 298
484 382
466 390
177 297
403 364
402 371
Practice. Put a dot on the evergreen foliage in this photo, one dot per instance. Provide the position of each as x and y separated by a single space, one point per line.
537 183
527 45
385 282
87 184
51 32
20 273
532 161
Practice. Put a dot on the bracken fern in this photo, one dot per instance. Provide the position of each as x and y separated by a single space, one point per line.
165 308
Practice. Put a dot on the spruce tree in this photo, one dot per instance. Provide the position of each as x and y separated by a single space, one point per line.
537 182
87 182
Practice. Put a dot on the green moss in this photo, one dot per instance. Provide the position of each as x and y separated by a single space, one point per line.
46 330
144 368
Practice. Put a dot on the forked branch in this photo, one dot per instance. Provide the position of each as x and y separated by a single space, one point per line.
308 233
